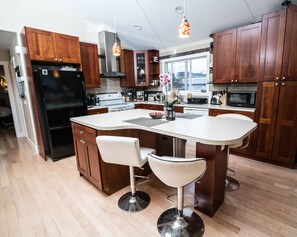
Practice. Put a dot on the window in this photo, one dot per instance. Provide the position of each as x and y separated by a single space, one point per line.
189 73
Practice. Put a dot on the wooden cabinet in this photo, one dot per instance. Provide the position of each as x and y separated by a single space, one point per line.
87 157
248 150
146 69
276 113
278 47
236 55
154 67
52 47
127 67
276 116
98 111
90 64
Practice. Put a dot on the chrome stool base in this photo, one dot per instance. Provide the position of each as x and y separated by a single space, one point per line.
135 203
171 225
231 184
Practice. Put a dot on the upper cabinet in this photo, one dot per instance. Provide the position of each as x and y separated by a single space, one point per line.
236 55
278 45
90 64
146 68
141 68
127 67
52 47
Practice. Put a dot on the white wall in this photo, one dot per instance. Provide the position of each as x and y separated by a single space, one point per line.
4 55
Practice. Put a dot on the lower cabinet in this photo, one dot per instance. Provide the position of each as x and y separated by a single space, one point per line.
97 111
87 157
248 150
160 107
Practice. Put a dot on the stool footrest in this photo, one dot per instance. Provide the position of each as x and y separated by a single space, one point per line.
186 195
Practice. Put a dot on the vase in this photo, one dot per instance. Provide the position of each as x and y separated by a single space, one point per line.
170 113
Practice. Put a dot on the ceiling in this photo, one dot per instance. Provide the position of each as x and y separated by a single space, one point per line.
6 38
159 20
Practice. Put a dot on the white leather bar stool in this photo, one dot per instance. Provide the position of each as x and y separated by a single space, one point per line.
178 172
126 151
231 183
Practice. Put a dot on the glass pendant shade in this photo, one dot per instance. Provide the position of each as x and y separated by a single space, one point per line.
184 29
116 49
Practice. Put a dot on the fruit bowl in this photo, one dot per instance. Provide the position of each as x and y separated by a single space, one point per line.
156 115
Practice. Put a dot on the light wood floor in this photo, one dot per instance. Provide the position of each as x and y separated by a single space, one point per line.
39 198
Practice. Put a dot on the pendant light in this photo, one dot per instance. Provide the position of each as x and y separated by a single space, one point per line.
184 29
116 48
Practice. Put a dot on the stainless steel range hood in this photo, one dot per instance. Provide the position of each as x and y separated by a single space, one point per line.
109 64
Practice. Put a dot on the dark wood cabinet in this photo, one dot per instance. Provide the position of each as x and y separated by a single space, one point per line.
236 55
276 105
52 47
90 64
248 150
98 111
276 117
224 53
248 53
127 67
146 68
86 151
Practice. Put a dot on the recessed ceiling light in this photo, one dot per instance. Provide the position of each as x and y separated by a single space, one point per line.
179 9
137 27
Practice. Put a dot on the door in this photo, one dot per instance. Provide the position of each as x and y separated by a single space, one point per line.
41 44
90 64
289 68
272 44
81 160
285 142
93 164
68 48
248 53
224 56
266 111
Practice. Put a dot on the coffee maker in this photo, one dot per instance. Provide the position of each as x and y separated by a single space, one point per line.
90 99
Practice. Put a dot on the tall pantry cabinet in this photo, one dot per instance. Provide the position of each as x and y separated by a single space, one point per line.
276 113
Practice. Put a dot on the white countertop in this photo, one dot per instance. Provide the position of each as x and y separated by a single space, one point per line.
205 106
205 129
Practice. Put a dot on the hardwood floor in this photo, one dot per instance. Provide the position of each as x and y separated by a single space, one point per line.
39 198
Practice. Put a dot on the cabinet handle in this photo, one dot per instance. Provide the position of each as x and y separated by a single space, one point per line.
56 59
60 60
236 80
283 78
283 83
81 132
231 80
276 83
82 141
277 78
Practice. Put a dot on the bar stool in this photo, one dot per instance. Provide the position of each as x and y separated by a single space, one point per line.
126 151
231 183
178 172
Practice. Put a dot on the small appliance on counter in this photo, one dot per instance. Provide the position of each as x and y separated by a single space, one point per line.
215 99
90 99
140 95
197 100
241 99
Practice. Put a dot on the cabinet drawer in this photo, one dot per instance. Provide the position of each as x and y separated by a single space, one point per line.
84 132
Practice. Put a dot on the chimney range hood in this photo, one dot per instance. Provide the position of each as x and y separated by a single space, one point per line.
109 64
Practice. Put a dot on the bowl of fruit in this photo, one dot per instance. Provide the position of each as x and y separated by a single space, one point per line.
156 115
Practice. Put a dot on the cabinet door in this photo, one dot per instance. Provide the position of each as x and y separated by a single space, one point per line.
98 111
154 67
81 160
127 66
93 164
272 44
266 111
68 48
224 57
248 53
285 142
289 68
90 64
41 45
141 68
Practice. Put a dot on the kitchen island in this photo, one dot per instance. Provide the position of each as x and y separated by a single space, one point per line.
212 135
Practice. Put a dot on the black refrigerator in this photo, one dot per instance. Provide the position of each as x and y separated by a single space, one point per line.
60 96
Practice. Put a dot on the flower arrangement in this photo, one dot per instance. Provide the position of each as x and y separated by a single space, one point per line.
165 82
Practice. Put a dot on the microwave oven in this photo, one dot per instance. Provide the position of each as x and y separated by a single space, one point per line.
241 99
